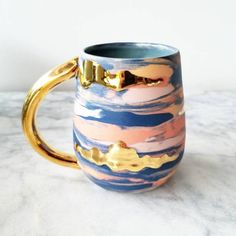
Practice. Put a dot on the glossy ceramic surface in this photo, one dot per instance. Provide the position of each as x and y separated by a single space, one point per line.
147 118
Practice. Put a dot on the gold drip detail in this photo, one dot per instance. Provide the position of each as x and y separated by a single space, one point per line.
120 157
92 72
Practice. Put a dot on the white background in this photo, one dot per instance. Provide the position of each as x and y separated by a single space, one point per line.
37 35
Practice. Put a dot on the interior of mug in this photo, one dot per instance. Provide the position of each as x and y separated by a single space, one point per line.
131 50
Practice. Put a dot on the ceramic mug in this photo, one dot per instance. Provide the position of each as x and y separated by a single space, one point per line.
129 122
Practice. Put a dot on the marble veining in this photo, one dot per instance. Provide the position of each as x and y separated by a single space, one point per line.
41 198
137 102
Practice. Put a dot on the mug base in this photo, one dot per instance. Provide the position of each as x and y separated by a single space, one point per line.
133 189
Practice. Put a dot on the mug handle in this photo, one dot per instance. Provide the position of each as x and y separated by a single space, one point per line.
37 93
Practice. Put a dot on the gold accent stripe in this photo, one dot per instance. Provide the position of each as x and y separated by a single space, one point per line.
92 72
120 157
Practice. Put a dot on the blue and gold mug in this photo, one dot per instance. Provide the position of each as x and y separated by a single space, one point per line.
129 122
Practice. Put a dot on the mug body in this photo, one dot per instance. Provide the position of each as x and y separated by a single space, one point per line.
130 139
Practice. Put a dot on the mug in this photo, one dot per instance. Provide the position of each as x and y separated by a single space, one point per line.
129 122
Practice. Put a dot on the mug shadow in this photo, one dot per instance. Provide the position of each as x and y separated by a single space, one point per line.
191 171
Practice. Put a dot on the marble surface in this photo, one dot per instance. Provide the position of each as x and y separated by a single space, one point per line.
41 198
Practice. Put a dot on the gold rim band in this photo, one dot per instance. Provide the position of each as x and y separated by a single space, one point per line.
37 93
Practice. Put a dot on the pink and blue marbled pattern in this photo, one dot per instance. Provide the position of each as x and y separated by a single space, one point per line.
149 119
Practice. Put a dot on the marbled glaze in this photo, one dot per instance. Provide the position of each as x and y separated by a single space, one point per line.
39 198
149 119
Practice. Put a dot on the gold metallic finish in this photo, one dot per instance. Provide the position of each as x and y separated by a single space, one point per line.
181 112
91 72
39 90
120 157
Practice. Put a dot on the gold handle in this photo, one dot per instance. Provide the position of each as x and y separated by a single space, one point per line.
39 90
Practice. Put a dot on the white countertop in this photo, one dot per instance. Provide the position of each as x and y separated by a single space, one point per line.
38 197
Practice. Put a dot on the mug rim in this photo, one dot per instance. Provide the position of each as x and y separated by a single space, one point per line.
170 50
